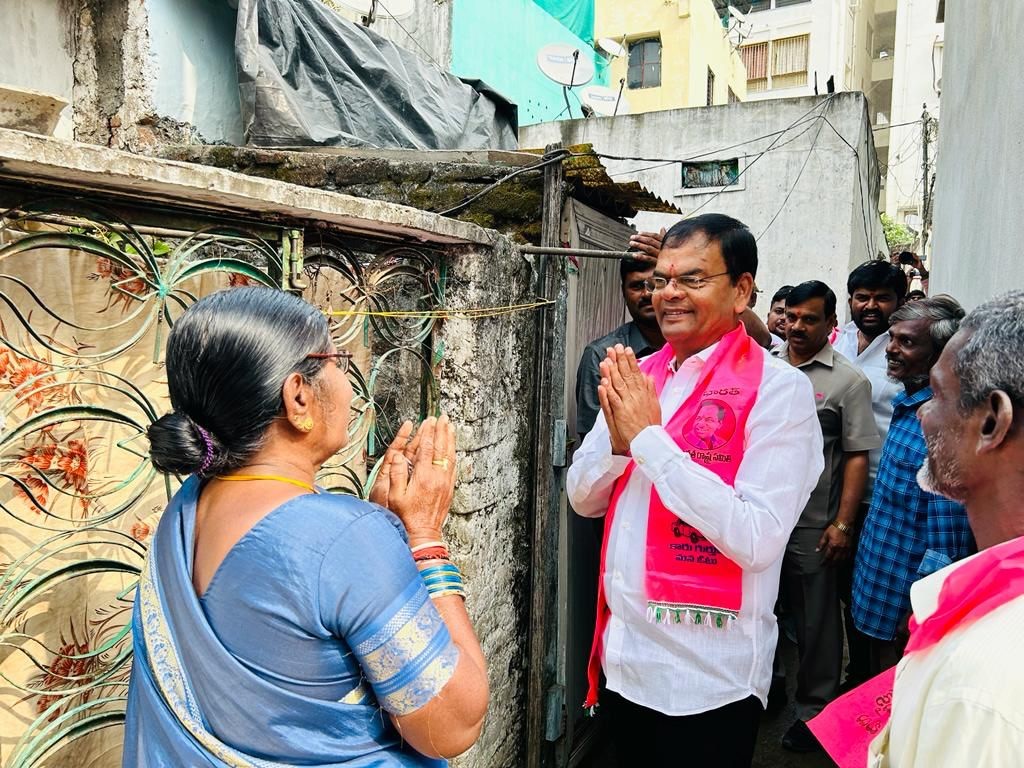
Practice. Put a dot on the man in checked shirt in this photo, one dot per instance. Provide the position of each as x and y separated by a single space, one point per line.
908 533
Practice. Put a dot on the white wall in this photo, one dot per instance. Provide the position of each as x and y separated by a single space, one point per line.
36 44
979 228
820 231
917 34
195 80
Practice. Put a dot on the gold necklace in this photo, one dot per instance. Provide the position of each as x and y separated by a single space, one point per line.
279 478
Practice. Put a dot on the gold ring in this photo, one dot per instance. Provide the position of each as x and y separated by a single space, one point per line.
440 463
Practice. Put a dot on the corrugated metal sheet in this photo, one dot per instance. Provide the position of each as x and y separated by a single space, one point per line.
592 185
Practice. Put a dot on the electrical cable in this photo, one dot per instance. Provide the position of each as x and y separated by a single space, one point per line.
556 157
895 125
719 150
860 184
795 181
748 166
810 124
411 36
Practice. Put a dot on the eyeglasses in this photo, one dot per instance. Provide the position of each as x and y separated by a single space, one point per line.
681 283
341 359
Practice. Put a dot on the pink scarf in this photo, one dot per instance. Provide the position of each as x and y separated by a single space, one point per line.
686 576
990 579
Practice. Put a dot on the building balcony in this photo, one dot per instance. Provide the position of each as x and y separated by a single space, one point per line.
881 69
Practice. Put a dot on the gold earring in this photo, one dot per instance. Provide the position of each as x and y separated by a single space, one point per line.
305 424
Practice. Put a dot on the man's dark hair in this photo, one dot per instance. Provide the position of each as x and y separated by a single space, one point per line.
876 274
739 249
719 410
782 293
813 289
629 266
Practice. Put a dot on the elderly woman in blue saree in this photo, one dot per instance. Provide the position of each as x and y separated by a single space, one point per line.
275 624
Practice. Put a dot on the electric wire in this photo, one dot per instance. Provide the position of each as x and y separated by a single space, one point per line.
556 157
824 106
796 181
410 36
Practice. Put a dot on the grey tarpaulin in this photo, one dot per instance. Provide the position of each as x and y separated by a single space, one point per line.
309 77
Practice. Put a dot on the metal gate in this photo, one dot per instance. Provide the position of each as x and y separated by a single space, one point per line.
88 291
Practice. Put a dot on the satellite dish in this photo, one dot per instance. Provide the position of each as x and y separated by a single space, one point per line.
397 9
604 100
737 14
565 65
613 48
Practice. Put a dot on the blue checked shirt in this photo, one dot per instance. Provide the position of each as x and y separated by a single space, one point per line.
907 533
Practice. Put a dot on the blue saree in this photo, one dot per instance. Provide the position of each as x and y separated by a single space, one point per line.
314 627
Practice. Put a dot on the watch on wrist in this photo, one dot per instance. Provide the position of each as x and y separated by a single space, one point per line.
841 527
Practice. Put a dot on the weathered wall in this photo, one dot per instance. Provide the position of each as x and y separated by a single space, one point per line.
513 208
37 44
486 387
978 226
193 66
817 233
113 90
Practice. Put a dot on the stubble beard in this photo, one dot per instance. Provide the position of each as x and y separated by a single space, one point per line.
946 479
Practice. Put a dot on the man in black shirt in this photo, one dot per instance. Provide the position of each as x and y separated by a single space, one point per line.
641 333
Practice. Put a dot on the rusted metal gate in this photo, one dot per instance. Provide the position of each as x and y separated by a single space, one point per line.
89 286
587 293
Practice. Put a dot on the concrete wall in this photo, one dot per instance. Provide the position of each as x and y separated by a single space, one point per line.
193 66
830 221
37 41
693 41
489 526
978 223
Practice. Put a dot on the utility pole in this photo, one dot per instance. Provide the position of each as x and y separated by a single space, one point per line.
926 188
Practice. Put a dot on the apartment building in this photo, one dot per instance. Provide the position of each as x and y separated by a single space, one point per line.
890 50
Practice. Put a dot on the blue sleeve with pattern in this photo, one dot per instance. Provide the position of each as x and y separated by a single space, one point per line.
372 596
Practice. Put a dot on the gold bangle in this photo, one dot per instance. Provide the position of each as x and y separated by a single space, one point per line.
841 527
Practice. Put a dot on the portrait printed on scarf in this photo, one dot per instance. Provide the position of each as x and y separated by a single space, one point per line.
712 425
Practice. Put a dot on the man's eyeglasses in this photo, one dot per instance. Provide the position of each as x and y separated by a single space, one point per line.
341 359
681 283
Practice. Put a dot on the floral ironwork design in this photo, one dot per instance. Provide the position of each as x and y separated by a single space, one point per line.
86 299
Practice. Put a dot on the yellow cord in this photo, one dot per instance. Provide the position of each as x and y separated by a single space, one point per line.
468 312
279 478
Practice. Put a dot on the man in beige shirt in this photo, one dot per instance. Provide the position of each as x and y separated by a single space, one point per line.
958 702
823 537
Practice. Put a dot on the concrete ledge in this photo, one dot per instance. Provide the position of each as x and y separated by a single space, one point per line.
72 165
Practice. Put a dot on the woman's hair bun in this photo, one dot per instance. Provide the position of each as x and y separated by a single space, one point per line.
176 446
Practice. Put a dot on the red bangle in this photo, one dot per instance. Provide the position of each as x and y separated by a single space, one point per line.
431 553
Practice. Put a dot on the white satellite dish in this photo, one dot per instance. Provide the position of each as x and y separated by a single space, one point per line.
613 48
396 9
737 14
604 100
565 64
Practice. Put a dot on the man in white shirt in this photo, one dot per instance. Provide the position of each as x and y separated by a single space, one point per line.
876 289
956 699
694 688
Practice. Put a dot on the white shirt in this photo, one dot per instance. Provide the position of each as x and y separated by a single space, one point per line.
683 669
883 389
959 702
